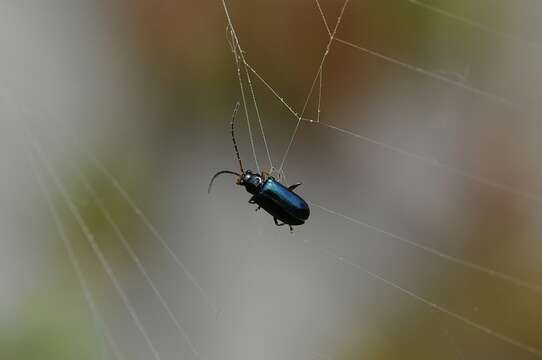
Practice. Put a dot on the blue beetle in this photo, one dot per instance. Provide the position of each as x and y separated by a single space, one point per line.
269 194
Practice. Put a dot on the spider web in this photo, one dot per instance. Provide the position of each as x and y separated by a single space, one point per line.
238 53
247 75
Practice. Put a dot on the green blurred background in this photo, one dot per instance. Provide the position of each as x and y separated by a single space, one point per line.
444 107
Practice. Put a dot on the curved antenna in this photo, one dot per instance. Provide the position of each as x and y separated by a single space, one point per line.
217 175
233 137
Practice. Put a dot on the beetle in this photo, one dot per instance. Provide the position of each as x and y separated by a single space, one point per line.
268 193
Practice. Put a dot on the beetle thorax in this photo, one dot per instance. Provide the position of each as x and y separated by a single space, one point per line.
251 182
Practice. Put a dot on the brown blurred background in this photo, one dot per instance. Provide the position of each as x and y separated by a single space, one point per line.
441 149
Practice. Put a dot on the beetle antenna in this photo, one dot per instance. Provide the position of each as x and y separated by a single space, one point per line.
233 137
217 175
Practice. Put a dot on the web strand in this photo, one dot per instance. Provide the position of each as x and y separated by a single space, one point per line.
239 53
145 220
473 90
432 305
452 259
436 163
323 17
273 91
431 161
137 261
99 323
436 307
94 245
319 72
476 25
243 97
431 74
258 116
253 95
320 96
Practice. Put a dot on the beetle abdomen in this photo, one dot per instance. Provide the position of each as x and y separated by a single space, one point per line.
282 203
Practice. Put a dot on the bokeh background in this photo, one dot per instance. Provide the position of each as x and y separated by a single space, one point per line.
444 151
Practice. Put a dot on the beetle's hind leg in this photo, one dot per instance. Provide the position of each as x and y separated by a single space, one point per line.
292 187
282 224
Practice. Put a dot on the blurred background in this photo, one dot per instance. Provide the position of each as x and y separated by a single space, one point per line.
424 176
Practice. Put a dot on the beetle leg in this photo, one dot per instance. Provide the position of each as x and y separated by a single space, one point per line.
277 222
291 229
292 187
251 201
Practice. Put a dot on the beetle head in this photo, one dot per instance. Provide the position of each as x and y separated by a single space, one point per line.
250 181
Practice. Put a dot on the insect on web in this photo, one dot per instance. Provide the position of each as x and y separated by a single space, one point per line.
434 162
246 73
